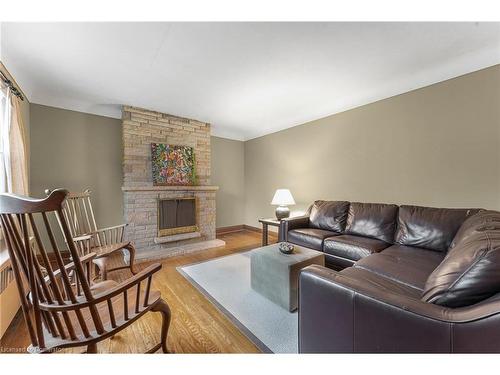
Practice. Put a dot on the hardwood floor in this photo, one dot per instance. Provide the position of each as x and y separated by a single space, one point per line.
197 326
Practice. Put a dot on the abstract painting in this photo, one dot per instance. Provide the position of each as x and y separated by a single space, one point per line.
172 165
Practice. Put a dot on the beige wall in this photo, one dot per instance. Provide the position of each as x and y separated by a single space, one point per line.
437 146
75 150
228 172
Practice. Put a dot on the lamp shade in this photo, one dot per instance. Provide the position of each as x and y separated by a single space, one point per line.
282 197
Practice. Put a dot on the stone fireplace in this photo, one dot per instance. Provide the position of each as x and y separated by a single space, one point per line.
166 221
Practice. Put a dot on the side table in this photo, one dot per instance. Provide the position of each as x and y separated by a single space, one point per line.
265 224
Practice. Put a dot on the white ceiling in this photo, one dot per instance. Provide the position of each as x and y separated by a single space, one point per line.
247 79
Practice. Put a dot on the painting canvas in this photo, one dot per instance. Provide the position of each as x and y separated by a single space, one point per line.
172 165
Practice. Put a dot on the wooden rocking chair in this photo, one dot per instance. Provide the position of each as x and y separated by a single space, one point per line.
104 242
60 313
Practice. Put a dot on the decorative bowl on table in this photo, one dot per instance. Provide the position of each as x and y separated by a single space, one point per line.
286 248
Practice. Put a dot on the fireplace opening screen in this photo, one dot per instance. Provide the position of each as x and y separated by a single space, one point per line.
176 216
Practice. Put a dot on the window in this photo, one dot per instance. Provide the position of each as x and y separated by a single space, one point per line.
13 152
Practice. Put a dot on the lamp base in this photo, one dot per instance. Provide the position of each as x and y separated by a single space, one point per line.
282 212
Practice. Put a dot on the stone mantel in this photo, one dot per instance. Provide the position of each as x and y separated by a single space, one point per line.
171 188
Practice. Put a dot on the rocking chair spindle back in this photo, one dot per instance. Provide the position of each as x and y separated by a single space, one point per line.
61 306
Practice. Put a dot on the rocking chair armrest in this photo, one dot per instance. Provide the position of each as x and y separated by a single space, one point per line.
110 228
82 238
106 295
83 244
71 266
86 259
129 283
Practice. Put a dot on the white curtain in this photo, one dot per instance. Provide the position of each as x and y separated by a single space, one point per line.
13 147
5 123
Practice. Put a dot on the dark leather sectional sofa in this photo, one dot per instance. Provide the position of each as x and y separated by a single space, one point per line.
400 279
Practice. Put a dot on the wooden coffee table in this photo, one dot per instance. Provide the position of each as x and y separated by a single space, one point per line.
276 275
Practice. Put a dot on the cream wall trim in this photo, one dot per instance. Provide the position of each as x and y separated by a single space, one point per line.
436 146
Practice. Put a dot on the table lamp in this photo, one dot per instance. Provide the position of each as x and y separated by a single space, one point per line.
282 198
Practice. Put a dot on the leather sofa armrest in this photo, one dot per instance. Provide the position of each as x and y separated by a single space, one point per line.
292 223
338 313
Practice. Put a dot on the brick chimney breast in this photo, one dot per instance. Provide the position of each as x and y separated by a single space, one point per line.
141 127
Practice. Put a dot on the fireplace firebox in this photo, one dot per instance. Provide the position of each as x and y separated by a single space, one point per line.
176 216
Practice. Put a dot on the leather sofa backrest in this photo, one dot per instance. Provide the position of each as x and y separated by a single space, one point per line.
428 227
470 272
375 220
329 215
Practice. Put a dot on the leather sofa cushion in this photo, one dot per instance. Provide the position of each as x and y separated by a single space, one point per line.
352 247
428 227
380 283
337 263
483 219
373 220
408 265
309 237
469 273
329 215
